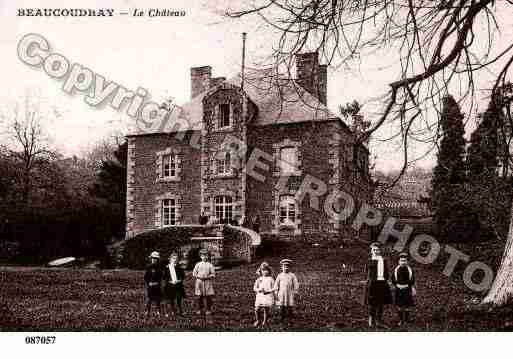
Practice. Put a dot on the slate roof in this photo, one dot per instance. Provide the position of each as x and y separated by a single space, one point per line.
279 101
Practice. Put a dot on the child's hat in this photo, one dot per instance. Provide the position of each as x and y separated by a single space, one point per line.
155 254
203 251
403 255
286 262
375 245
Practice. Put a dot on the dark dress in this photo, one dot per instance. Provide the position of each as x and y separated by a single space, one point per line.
152 280
173 291
403 277
377 291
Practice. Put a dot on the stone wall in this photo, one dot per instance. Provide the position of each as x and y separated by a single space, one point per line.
145 188
190 250
237 244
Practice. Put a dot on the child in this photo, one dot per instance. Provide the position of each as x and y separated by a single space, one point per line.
286 286
377 290
403 279
152 281
263 287
204 273
173 278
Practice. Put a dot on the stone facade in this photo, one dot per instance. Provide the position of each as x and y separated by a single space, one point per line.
146 187
175 177
326 153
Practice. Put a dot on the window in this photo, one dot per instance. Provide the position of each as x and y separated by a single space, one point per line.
223 208
223 163
224 115
288 210
169 166
168 212
288 160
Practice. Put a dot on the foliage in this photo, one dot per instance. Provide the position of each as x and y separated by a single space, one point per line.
164 240
489 197
483 148
449 174
110 187
486 187
46 207
49 233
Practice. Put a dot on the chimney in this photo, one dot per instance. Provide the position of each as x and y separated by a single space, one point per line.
216 81
200 80
312 76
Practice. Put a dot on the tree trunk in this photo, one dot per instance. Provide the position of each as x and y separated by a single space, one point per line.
501 291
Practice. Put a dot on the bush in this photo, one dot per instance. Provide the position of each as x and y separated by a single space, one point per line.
40 235
163 240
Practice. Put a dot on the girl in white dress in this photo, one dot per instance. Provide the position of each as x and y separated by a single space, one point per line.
264 289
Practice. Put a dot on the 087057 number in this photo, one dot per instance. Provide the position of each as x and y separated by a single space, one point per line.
40 340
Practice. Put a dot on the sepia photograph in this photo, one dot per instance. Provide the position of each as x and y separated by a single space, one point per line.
258 166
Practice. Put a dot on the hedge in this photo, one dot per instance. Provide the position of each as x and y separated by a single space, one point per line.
164 240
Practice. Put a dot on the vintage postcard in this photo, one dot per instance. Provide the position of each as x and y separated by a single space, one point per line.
255 166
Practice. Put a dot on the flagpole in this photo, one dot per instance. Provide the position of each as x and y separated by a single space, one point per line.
243 60
244 133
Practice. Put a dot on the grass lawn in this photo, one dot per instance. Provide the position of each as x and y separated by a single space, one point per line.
330 298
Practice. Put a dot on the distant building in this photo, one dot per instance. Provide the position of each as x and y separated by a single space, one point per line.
187 168
408 198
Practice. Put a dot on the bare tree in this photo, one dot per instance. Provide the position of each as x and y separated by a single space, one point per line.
30 144
441 47
103 150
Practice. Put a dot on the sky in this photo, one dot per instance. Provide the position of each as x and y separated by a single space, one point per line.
155 54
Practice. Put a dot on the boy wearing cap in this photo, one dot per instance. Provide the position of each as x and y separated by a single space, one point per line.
377 290
286 286
173 277
152 281
204 273
403 280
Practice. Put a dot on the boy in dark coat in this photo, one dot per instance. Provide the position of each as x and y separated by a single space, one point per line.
152 282
173 278
403 279
377 291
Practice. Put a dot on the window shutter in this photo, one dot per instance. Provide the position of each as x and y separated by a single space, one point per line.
158 163
297 159
158 213
231 114
213 165
216 117
178 168
276 161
